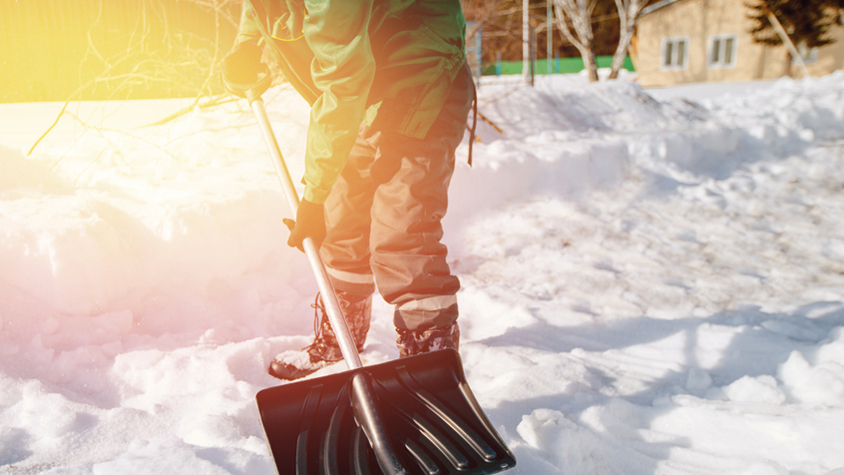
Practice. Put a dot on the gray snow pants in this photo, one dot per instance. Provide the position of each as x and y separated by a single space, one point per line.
383 217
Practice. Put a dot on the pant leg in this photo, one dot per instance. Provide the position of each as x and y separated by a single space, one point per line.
345 250
411 178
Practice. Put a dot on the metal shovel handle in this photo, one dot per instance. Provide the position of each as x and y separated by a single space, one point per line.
329 297
363 399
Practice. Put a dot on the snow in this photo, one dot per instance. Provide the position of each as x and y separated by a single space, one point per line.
653 280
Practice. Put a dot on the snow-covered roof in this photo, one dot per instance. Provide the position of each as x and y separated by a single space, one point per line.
656 6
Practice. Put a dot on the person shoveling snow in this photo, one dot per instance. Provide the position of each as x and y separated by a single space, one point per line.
390 94
416 415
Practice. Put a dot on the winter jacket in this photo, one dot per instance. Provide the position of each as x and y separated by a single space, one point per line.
385 63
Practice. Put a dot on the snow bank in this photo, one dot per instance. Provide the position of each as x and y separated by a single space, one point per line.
651 284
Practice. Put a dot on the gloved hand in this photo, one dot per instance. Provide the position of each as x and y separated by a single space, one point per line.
241 68
310 222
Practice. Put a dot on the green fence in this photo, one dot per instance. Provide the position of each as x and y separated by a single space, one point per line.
559 65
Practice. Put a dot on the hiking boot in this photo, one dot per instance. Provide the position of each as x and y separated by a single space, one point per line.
412 343
325 350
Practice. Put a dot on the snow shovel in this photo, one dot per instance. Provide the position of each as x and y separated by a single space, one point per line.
415 415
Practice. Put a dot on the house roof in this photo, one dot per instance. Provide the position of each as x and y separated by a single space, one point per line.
656 6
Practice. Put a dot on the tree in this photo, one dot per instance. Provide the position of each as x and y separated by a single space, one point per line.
481 15
806 22
501 22
574 18
138 50
628 15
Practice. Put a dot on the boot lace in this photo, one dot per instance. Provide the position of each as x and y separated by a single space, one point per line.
319 312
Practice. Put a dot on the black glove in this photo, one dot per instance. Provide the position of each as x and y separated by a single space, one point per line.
241 68
310 222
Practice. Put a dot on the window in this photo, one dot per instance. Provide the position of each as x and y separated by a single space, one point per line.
722 51
675 53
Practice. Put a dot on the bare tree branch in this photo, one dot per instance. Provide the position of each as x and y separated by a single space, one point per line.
628 16
154 54
579 13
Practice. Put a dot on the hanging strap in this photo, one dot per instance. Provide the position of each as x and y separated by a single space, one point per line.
474 120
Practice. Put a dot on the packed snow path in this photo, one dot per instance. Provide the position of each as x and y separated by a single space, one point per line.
653 281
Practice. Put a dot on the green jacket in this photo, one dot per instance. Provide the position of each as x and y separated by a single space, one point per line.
386 63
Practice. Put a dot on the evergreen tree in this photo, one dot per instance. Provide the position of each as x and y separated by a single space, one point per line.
806 22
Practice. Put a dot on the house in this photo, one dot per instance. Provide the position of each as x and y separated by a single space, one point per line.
685 41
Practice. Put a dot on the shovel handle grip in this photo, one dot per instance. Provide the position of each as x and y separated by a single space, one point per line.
264 81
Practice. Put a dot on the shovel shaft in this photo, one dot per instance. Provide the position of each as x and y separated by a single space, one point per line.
329 297
366 412
373 425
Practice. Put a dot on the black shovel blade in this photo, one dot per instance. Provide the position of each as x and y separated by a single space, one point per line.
434 422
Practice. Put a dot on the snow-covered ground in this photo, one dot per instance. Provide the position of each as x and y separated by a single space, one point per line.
653 281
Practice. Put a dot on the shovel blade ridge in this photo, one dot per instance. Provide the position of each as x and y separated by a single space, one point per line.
435 424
